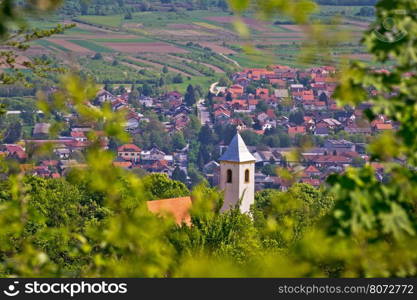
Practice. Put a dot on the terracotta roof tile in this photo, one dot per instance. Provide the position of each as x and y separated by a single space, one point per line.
177 207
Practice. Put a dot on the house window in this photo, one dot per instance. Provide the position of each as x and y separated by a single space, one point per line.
229 176
246 176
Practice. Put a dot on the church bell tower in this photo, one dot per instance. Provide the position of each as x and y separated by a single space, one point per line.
237 176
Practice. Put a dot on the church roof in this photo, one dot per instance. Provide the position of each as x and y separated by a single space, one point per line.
237 151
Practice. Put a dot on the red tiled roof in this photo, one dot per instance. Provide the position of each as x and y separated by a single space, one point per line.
49 162
296 129
122 164
77 134
177 207
261 91
333 158
311 169
129 148
386 126
377 166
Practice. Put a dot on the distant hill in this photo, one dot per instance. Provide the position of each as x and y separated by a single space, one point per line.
109 7
347 2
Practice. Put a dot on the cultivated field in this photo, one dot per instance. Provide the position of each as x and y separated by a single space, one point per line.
144 47
202 44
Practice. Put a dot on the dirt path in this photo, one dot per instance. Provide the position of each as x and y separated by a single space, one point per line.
213 86
231 60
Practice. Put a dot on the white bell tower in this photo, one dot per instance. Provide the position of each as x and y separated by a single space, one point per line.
237 176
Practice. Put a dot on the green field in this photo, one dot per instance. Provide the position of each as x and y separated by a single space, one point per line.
107 21
51 46
105 71
91 46
273 41
195 80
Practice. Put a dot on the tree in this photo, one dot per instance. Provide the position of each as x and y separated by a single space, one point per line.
98 56
179 175
229 97
177 79
146 90
159 186
366 12
272 141
195 176
134 96
358 162
224 81
285 140
206 135
297 117
261 106
269 170
13 133
251 138
190 96
108 88
293 211
178 141
165 69
161 82
128 16
84 8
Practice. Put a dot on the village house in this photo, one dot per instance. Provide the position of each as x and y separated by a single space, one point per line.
292 131
129 152
339 146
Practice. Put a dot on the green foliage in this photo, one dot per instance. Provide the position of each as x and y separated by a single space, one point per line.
190 96
159 186
286 215
13 133
375 211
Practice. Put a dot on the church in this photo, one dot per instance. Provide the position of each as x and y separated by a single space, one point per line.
237 180
237 176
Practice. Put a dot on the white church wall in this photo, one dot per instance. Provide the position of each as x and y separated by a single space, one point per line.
238 188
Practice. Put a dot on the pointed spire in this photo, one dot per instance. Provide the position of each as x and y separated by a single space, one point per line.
237 151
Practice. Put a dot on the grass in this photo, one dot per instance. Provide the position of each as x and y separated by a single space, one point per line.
103 71
162 19
208 26
27 131
106 21
91 46
203 81
136 63
44 23
77 30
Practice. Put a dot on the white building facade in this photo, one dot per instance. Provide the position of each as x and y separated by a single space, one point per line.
237 176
